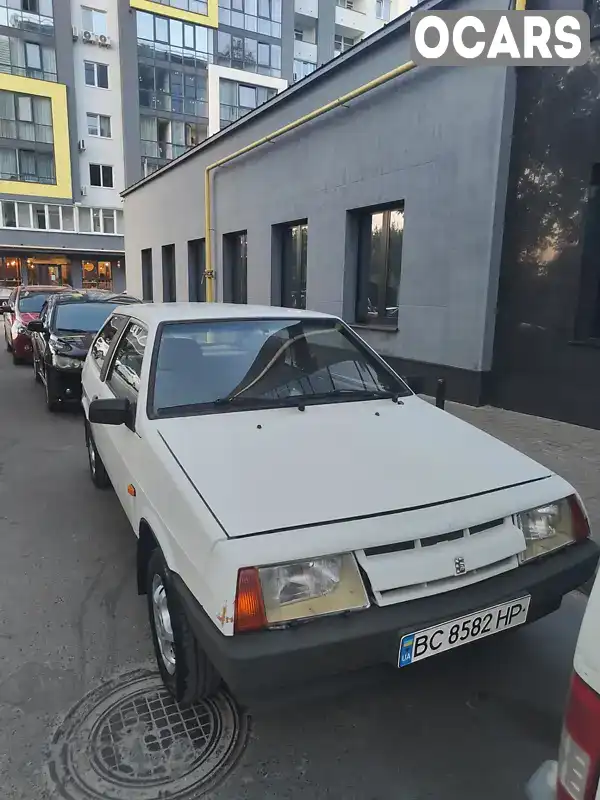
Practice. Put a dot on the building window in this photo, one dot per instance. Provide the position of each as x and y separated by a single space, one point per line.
94 21
10 271
179 42
28 59
196 266
101 175
171 89
18 164
96 74
33 16
379 266
168 273
248 54
25 117
303 68
382 10
166 139
194 6
235 262
259 16
592 7
237 99
343 43
99 125
293 265
97 275
147 278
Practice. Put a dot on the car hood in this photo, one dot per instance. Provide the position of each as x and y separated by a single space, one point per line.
73 345
261 471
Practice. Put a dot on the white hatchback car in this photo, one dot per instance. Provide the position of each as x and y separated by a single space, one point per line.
576 775
300 512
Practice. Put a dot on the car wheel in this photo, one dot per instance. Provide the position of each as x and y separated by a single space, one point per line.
36 373
98 473
52 402
8 345
16 359
184 667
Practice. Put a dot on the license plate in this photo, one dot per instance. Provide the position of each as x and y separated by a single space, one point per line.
456 632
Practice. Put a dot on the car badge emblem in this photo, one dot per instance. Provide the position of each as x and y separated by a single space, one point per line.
459 566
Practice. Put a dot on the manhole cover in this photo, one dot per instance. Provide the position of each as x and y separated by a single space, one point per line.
129 740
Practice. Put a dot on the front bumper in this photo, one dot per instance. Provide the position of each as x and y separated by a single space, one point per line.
21 345
65 384
254 663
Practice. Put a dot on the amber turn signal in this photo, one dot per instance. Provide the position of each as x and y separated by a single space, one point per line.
131 490
249 606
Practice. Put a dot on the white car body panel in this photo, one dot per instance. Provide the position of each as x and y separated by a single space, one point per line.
587 652
338 461
208 485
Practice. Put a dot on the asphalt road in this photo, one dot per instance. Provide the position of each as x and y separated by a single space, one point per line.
474 723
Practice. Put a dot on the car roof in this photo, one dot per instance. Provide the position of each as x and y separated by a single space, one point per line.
91 296
44 288
155 313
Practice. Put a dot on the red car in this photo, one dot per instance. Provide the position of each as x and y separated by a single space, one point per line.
25 304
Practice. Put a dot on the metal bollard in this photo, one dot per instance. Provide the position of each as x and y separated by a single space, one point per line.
440 393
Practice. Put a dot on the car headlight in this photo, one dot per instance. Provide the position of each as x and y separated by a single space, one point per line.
63 362
552 526
19 328
276 595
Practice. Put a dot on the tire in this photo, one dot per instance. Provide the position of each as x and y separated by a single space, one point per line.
98 473
184 667
8 345
36 374
16 360
52 402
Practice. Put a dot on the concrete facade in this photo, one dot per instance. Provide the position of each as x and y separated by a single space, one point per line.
436 140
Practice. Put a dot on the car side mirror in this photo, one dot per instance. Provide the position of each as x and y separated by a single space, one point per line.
35 326
113 411
416 383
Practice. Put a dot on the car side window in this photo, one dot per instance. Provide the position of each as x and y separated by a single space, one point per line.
126 367
104 339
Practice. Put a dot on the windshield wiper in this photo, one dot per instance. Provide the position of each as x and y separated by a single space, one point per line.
73 330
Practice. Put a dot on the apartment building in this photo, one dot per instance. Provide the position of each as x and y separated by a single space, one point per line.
61 155
96 94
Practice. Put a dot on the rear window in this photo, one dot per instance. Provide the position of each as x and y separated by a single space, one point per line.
32 302
82 317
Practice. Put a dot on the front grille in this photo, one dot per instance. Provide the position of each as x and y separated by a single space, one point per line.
433 564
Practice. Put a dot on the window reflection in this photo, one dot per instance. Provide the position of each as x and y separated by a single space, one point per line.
379 266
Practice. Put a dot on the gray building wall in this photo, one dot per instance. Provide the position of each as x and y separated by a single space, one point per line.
63 34
436 139
326 31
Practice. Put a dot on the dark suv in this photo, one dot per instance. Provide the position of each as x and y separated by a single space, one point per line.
62 336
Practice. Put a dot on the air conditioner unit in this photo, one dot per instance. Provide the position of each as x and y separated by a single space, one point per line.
81 145
89 37
83 191
104 41
75 33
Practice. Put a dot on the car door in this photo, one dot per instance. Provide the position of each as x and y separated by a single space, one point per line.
40 339
9 316
121 444
99 356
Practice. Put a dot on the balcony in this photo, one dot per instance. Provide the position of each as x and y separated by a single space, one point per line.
351 22
307 8
305 51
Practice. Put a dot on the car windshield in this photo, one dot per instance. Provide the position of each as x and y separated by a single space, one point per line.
81 317
32 302
221 365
